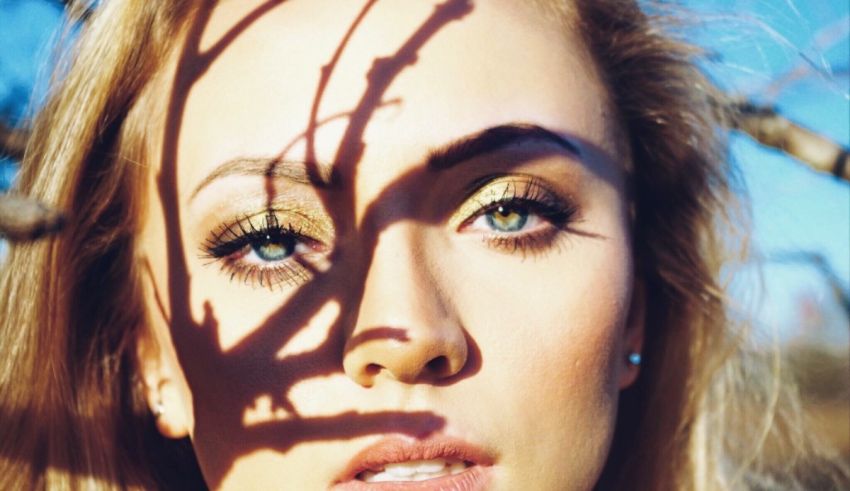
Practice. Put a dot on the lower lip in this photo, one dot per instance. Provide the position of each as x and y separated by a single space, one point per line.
474 478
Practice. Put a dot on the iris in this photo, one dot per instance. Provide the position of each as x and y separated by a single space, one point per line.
274 248
507 218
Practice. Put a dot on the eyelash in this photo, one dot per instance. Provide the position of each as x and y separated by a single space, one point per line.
535 199
232 242
242 236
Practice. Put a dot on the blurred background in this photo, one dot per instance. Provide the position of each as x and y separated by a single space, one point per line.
793 56
789 55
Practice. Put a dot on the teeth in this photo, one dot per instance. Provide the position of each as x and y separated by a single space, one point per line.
382 477
429 466
403 470
414 470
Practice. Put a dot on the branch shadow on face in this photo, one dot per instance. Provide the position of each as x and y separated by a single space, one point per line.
232 380
226 383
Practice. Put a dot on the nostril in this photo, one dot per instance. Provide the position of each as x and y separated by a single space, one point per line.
438 366
372 369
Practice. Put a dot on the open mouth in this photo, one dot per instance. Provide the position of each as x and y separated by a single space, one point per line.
414 470
436 463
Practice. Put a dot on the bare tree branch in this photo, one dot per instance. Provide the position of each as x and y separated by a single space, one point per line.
818 261
825 38
771 129
12 142
23 219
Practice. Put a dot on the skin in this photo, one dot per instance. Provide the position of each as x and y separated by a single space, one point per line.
520 350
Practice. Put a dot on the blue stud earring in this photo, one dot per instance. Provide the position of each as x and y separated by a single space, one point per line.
634 359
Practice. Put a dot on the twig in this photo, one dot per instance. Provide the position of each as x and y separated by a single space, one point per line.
818 261
770 128
824 39
12 142
23 219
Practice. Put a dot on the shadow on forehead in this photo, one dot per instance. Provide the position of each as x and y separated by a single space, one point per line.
208 369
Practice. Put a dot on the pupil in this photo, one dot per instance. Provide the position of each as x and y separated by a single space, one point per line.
274 249
507 219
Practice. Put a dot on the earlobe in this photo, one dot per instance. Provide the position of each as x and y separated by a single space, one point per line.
632 355
168 411
161 392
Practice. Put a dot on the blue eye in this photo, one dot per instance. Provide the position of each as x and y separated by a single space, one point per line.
265 254
507 218
272 249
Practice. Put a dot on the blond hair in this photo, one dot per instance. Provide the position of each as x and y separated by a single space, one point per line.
71 306
705 407
72 414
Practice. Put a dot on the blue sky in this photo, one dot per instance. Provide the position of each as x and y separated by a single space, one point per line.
758 44
27 28
754 44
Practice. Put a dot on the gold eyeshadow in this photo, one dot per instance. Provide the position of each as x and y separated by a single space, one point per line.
271 229
283 244
513 199
507 188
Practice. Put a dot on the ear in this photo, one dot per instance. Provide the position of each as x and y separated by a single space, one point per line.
633 336
161 390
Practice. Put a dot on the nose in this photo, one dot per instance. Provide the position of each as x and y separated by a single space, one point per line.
406 328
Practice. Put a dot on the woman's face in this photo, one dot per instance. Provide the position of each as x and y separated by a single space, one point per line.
388 241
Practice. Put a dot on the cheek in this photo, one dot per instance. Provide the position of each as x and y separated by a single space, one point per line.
239 309
550 331
567 310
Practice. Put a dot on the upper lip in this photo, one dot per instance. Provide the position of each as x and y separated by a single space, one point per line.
398 449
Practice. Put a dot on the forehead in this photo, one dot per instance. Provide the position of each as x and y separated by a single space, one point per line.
427 71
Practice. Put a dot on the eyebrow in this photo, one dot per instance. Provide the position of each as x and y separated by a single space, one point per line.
441 158
493 139
272 167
